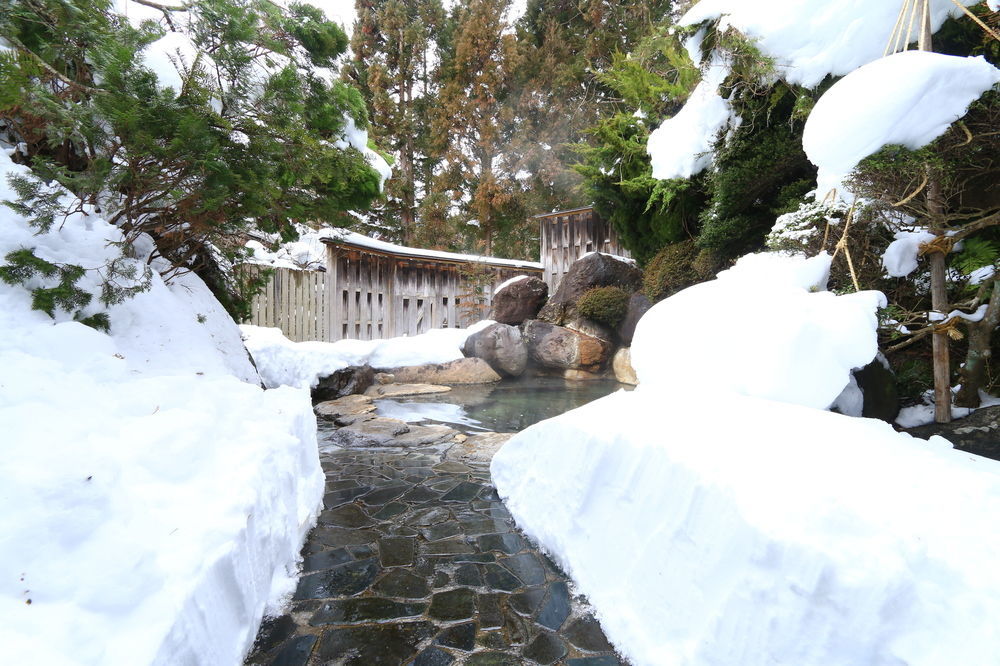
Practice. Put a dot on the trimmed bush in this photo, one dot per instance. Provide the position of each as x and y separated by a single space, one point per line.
605 305
672 269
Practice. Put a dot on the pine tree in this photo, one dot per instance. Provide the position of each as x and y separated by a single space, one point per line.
395 66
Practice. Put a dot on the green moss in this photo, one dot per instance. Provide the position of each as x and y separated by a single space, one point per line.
672 269
605 305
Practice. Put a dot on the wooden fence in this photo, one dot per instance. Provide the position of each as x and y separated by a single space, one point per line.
569 234
370 294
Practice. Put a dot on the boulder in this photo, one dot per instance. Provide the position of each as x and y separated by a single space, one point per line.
592 270
348 381
638 305
878 384
479 447
346 409
501 346
978 433
376 431
398 390
461 371
519 301
558 347
622 366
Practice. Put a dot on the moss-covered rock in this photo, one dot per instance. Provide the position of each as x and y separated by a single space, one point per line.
672 269
605 305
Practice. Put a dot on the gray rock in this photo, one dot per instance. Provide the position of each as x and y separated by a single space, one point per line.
376 431
638 305
500 345
460 371
482 446
399 390
561 348
519 301
978 433
348 381
351 405
593 270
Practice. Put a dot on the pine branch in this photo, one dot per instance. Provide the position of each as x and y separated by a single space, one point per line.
50 69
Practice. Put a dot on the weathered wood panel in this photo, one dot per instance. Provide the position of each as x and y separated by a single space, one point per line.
371 295
565 236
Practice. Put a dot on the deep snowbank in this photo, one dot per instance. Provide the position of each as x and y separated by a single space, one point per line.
719 515
282 362
153 498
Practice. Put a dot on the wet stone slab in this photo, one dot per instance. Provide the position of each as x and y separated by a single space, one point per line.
416 561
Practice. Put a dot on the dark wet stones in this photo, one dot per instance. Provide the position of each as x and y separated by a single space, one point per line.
373 644
326 559
345 579
490 615
556 608
347 515
441 531
527 602
397 574
403 584
505 543
452 546
295 652
499 578
463 492
433 657
457 604
492 659
526 567
586 634
366 609
461 637
546 648
396 551
469 575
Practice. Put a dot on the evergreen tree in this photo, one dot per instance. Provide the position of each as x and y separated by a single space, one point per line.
251 134
394 66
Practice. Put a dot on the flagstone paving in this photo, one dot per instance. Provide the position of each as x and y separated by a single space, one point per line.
415 560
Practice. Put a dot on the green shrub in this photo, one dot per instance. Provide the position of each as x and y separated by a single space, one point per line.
672 269
605 305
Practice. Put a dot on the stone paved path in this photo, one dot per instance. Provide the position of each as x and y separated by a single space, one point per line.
416 561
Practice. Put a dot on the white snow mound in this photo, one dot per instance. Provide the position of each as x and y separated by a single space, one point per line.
908 99
762 328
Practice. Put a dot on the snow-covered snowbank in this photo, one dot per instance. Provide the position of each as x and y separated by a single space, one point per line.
719 515
153 498
282 362
907 99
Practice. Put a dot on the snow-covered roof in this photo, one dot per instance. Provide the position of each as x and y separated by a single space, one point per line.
356 240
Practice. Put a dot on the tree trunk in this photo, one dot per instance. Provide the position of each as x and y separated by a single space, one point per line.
980 350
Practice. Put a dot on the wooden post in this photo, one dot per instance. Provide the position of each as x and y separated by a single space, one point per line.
939 286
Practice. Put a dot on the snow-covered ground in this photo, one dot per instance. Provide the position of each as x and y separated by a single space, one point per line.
718 514
153 497
282 362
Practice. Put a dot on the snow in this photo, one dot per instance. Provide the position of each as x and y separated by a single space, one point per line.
169 57
981 275
923 413
900 258
682 145
718 514
354 238
506 283
809 40
282 362
786 324
909 99
358 139
116 447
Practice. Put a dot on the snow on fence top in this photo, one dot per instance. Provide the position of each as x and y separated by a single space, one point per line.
356 240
